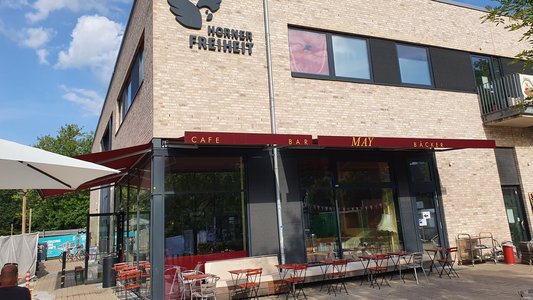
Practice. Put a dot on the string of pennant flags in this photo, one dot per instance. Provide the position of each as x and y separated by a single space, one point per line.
363 207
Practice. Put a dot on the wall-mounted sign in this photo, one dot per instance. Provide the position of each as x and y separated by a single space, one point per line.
219 39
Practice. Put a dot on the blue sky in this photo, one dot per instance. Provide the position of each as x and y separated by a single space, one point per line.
56 59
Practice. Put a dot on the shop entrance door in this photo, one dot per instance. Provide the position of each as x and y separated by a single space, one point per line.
104 241
426 203
515 214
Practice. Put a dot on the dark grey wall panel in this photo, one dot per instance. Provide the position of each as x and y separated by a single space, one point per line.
507 170
262 219
385 67
509 67
292 211
452 70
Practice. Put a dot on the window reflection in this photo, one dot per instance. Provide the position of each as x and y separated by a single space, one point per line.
363 203
351 57
308 52
204 210
414 65
368 221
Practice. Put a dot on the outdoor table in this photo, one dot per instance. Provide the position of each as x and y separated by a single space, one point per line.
396 258
284 270
236 276
365 261
432 253
324 266
194 278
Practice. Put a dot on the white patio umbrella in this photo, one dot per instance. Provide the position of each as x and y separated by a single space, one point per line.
24 167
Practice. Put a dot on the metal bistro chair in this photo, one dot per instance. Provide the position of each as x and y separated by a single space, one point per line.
381 262
295 280
416 261
206 288
448 261
337 275
253 281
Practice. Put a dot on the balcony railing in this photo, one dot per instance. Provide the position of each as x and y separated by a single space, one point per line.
502 101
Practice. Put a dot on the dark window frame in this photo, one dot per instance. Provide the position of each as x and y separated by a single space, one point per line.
430 68
127 96
331 58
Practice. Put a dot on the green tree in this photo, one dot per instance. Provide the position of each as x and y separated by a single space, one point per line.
69 211
11 212
515 15
66 212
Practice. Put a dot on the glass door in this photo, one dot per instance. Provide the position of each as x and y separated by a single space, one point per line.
104 239
426 203
515 215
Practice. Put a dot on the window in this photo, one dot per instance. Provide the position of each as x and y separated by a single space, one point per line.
134 81
351 57
308 52
414 65
105 142
204 209
482 69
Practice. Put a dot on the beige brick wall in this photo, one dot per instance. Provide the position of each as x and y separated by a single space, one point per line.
472 197
137 127
209 91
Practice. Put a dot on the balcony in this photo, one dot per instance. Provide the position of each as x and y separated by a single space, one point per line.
503 101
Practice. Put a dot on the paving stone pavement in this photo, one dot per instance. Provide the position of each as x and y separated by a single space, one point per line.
482 281
48 284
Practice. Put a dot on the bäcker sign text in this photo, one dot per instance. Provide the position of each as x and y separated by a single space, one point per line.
224 40
428 144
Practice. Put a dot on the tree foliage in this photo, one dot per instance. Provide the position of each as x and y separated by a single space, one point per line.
66 212
515 15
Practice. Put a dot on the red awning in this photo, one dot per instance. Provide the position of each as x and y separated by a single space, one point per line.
234 138
120 159
402 143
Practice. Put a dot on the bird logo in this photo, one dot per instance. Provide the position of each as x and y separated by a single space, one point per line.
188 14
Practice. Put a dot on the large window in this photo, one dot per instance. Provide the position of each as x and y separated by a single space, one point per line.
204 209
351 57
324 55
350 214
135 79
414 65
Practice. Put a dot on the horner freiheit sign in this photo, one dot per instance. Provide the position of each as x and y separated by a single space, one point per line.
219 39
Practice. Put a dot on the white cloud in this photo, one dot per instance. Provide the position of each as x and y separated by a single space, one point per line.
88 100
95 44
14 3
37 37
42 54
45 7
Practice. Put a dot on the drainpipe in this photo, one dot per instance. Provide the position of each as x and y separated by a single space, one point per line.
275 152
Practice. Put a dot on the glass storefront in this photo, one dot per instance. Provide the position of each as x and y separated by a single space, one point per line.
349 208
204 210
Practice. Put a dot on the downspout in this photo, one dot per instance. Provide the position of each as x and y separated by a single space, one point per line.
273 130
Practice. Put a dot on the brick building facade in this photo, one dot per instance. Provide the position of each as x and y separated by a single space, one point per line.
191 88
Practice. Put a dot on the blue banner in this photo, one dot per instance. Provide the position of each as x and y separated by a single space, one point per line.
58 244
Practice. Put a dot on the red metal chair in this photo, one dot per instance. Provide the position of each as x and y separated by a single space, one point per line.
253 281
337 275
295 280
448 261
381 262
132 281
